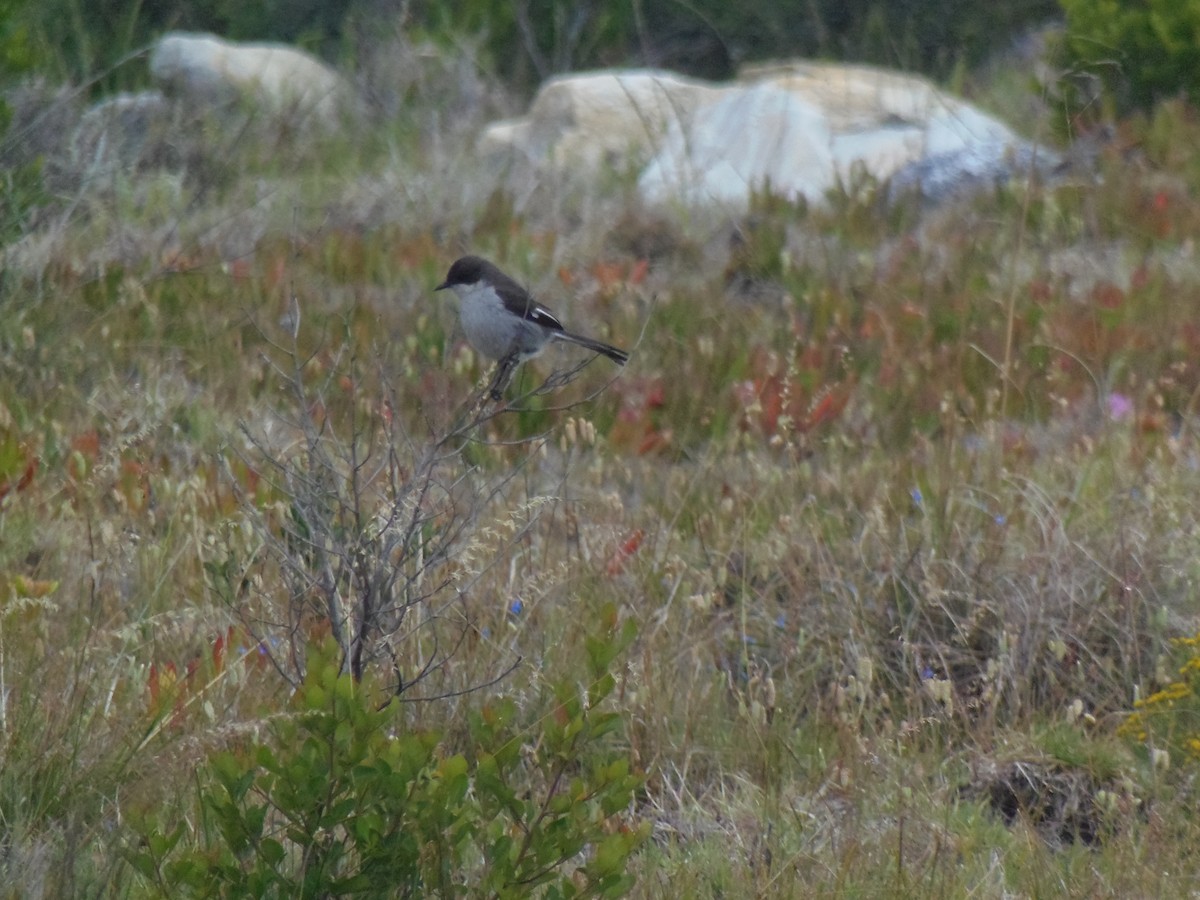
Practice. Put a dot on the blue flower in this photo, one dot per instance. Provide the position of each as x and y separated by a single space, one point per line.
516 607
915 493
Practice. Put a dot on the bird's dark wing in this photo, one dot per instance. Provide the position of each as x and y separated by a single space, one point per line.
542 316
519 302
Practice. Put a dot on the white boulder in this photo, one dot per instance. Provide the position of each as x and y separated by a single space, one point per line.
121 132
799 128
593 119
745 138
208 71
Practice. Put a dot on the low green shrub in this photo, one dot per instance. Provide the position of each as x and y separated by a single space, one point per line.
340 799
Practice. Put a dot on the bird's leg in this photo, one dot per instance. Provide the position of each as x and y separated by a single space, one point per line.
504 374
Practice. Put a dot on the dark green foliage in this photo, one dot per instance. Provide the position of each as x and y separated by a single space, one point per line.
710 38
531 40
1142 51
16 52
343 799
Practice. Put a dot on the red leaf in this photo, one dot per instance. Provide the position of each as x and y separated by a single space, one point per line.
241 268
87 444
825 408
220 645
654 440
562 717
607 274
629 546
1108 296
160 681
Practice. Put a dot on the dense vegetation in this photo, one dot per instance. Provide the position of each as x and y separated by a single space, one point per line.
527 41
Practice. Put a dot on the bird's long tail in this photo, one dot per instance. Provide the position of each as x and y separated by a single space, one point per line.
620 357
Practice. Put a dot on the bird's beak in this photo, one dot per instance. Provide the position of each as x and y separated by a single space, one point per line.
442 286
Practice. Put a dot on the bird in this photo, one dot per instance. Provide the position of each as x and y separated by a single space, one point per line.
501 319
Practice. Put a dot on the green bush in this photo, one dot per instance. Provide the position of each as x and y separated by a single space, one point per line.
1142 51
343 800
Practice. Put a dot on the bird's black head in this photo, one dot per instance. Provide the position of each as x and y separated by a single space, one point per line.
466 270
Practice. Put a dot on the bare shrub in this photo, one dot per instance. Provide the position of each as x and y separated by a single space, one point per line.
366 529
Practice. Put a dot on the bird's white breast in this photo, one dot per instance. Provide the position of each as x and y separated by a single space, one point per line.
490 328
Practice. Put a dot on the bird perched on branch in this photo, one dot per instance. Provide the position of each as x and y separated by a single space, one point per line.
503 322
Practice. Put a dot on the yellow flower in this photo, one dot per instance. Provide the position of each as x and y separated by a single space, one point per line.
1176 690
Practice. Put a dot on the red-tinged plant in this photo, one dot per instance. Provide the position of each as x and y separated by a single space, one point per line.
638 423
627 548
828 406
637 273
1108 296
612 276
654 440
773 396
173 690
31 588
609 275
220 648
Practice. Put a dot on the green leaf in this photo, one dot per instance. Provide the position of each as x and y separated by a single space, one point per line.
271 851
610 856
601 688
453 766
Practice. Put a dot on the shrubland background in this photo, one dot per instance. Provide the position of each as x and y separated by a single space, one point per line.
874 572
